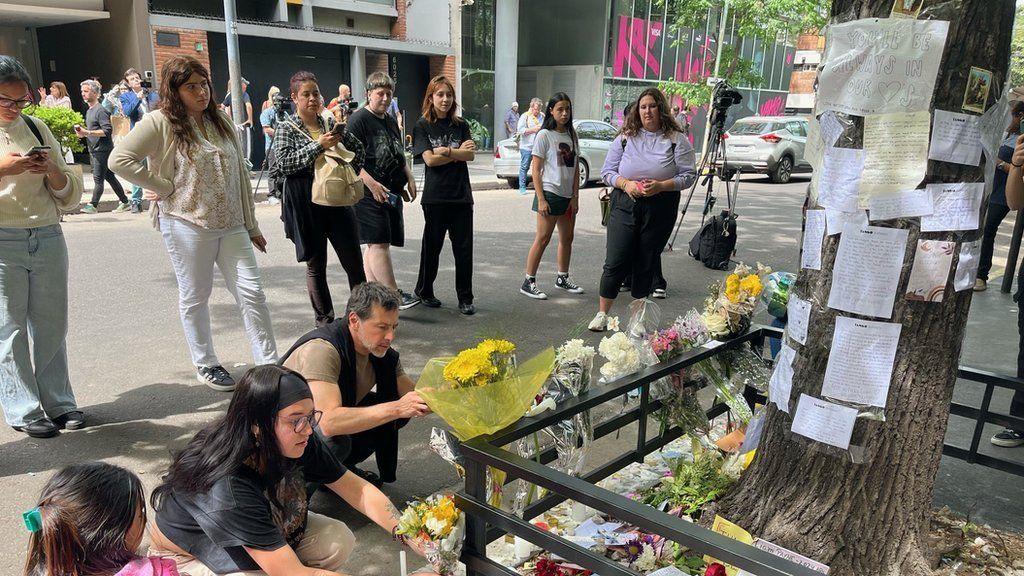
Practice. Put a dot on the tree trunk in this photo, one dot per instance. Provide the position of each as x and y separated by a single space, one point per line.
872 519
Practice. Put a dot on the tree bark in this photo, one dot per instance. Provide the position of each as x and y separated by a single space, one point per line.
872 519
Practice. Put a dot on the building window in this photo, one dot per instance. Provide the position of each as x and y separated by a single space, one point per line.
478 63
168 39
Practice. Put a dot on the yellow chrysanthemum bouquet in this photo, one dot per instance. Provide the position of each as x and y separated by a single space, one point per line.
437 527
731 304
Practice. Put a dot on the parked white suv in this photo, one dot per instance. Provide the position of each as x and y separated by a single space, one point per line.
772 145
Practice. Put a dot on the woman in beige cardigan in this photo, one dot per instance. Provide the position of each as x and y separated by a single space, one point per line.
204 208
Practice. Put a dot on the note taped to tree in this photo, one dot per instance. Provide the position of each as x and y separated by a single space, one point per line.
839 180
895 152
956 138
867 270
780 386
905 204
799 317
836 220
814 233
881 66
957 207
823 421
931 270
967 266
859 368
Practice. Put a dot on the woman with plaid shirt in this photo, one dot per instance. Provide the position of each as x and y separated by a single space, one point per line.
297 144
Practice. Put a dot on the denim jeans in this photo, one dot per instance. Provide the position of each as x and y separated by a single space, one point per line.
525 157
194 251
34 305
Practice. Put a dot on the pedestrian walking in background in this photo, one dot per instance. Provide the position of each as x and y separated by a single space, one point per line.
97 131
648 164
527 127
556 182
511 120
56 98
90 519
443 140
681 118
997 207
136 101
298 143
35 390
387 177
188 158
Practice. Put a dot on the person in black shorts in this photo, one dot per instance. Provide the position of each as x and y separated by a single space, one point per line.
386 175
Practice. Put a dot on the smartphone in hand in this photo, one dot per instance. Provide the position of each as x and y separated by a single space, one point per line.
38 151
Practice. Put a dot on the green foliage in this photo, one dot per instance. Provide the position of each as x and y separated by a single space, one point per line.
61 122
692 485
478 131
1017 50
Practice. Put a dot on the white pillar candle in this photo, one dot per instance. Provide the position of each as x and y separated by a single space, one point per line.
402 563
522 549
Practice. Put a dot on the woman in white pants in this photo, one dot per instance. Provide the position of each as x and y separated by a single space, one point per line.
203 205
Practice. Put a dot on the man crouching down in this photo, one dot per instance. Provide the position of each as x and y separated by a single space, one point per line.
344 361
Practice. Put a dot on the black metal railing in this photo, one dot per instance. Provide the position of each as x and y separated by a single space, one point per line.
486 523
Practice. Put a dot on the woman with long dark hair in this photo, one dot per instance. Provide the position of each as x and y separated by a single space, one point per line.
444 142
556 181
89 521
648 164
234 499
188 158
298 142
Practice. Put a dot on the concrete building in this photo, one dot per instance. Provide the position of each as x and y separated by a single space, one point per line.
602 53
341 41
809 51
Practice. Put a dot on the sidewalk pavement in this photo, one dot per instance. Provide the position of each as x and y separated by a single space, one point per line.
481 177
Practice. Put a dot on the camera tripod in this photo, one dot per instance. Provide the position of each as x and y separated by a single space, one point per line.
723 98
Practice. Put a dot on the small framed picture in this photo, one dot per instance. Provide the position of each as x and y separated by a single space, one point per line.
978 85
906 8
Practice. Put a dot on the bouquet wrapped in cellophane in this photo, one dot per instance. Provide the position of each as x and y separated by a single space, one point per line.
731 305
437 527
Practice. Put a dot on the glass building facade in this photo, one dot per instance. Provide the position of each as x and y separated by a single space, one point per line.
477 96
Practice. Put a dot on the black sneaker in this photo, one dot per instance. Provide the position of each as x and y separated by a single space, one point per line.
408 300
429 301
73 420
216 378
41 428
565 283
467 308
529 288
1009 438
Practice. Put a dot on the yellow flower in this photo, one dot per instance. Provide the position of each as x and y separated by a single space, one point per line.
751 285
732 287
472 367
494 346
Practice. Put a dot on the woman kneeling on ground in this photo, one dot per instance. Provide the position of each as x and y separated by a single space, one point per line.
234 500
89 522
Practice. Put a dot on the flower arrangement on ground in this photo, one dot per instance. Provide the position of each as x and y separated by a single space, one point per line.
437 527
731 304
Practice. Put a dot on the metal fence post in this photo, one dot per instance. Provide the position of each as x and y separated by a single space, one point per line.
476 528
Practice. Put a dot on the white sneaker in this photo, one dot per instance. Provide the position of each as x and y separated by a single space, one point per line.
599 323
659 293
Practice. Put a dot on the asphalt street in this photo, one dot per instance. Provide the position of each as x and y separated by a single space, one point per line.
131 371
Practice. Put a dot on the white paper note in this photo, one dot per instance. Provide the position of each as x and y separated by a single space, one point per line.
905 204
957 207
824 421
956 138
836 220
895 152
798 315
932 261
831 128
668 571
780 386
967 266
878 66
860 362
867 270
784 553
840 179
814 233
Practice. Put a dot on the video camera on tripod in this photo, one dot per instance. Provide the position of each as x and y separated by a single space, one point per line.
714 244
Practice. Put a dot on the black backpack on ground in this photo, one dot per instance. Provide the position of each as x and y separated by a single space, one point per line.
715 243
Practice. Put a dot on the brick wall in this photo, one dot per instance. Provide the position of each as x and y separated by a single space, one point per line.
376 62
398 28
803 82
188 40
810 42
443 65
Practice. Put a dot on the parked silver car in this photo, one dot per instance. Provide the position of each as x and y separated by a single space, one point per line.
595 137
772 145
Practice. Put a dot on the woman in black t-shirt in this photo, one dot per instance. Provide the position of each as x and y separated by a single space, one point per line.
443 140
235 498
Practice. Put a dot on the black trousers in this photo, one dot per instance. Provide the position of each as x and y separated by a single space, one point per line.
996 214
339 226
1017 403
637 234
455 220
381 442
100 172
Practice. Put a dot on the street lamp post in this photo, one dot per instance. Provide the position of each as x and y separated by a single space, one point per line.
234 66
718 64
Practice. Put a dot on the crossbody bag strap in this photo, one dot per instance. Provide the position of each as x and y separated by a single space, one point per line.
35 129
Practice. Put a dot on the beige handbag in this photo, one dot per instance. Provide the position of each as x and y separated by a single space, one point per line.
335 182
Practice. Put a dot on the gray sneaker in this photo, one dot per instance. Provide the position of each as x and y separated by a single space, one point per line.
216 378
1008 439
123 207
529 288
88 209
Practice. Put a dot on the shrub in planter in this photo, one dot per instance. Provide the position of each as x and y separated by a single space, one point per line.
61 122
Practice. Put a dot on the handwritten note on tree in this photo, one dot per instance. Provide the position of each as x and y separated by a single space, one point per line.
881 66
